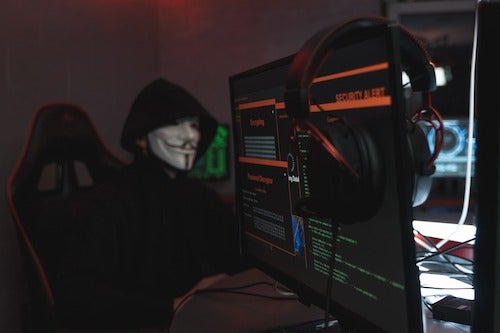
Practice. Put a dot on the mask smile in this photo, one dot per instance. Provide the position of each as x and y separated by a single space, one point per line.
176 144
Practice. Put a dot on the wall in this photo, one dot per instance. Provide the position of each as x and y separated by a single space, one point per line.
99 54
203 42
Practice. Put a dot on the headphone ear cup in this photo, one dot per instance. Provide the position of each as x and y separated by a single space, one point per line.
335 192
420 155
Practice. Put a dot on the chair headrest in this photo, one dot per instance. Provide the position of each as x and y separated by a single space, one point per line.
62 133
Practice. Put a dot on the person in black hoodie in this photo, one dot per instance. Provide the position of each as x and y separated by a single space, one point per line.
149 235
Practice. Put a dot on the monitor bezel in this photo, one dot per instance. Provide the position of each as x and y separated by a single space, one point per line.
486 312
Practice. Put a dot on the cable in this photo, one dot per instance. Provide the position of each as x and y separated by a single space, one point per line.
282 291
229 290
457 267
468 172
451 249
232 291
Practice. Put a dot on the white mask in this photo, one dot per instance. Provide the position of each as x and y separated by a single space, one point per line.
176 144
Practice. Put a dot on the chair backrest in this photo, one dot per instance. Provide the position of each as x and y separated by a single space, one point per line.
63 155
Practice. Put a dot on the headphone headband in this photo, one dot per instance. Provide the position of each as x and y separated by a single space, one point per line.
308 60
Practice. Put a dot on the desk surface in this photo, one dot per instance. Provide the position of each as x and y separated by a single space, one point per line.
235 313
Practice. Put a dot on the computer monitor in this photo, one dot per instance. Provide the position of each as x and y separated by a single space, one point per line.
214 164
486 315
452 159
363 273
446 28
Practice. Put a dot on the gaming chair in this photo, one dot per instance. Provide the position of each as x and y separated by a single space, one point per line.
63 155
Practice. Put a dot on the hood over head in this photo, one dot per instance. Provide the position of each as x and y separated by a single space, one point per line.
161 103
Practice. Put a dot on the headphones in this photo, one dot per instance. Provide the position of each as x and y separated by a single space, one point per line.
347 175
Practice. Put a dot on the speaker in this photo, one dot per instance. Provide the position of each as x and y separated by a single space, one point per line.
347 172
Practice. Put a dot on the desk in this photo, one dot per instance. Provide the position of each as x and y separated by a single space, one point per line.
233 313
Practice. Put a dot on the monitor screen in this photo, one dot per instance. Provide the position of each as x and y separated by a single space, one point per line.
452 159
486 317
214 164
364 272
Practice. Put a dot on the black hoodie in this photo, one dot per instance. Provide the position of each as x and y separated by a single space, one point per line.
144 238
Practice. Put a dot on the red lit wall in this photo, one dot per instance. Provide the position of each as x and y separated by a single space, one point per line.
100 53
